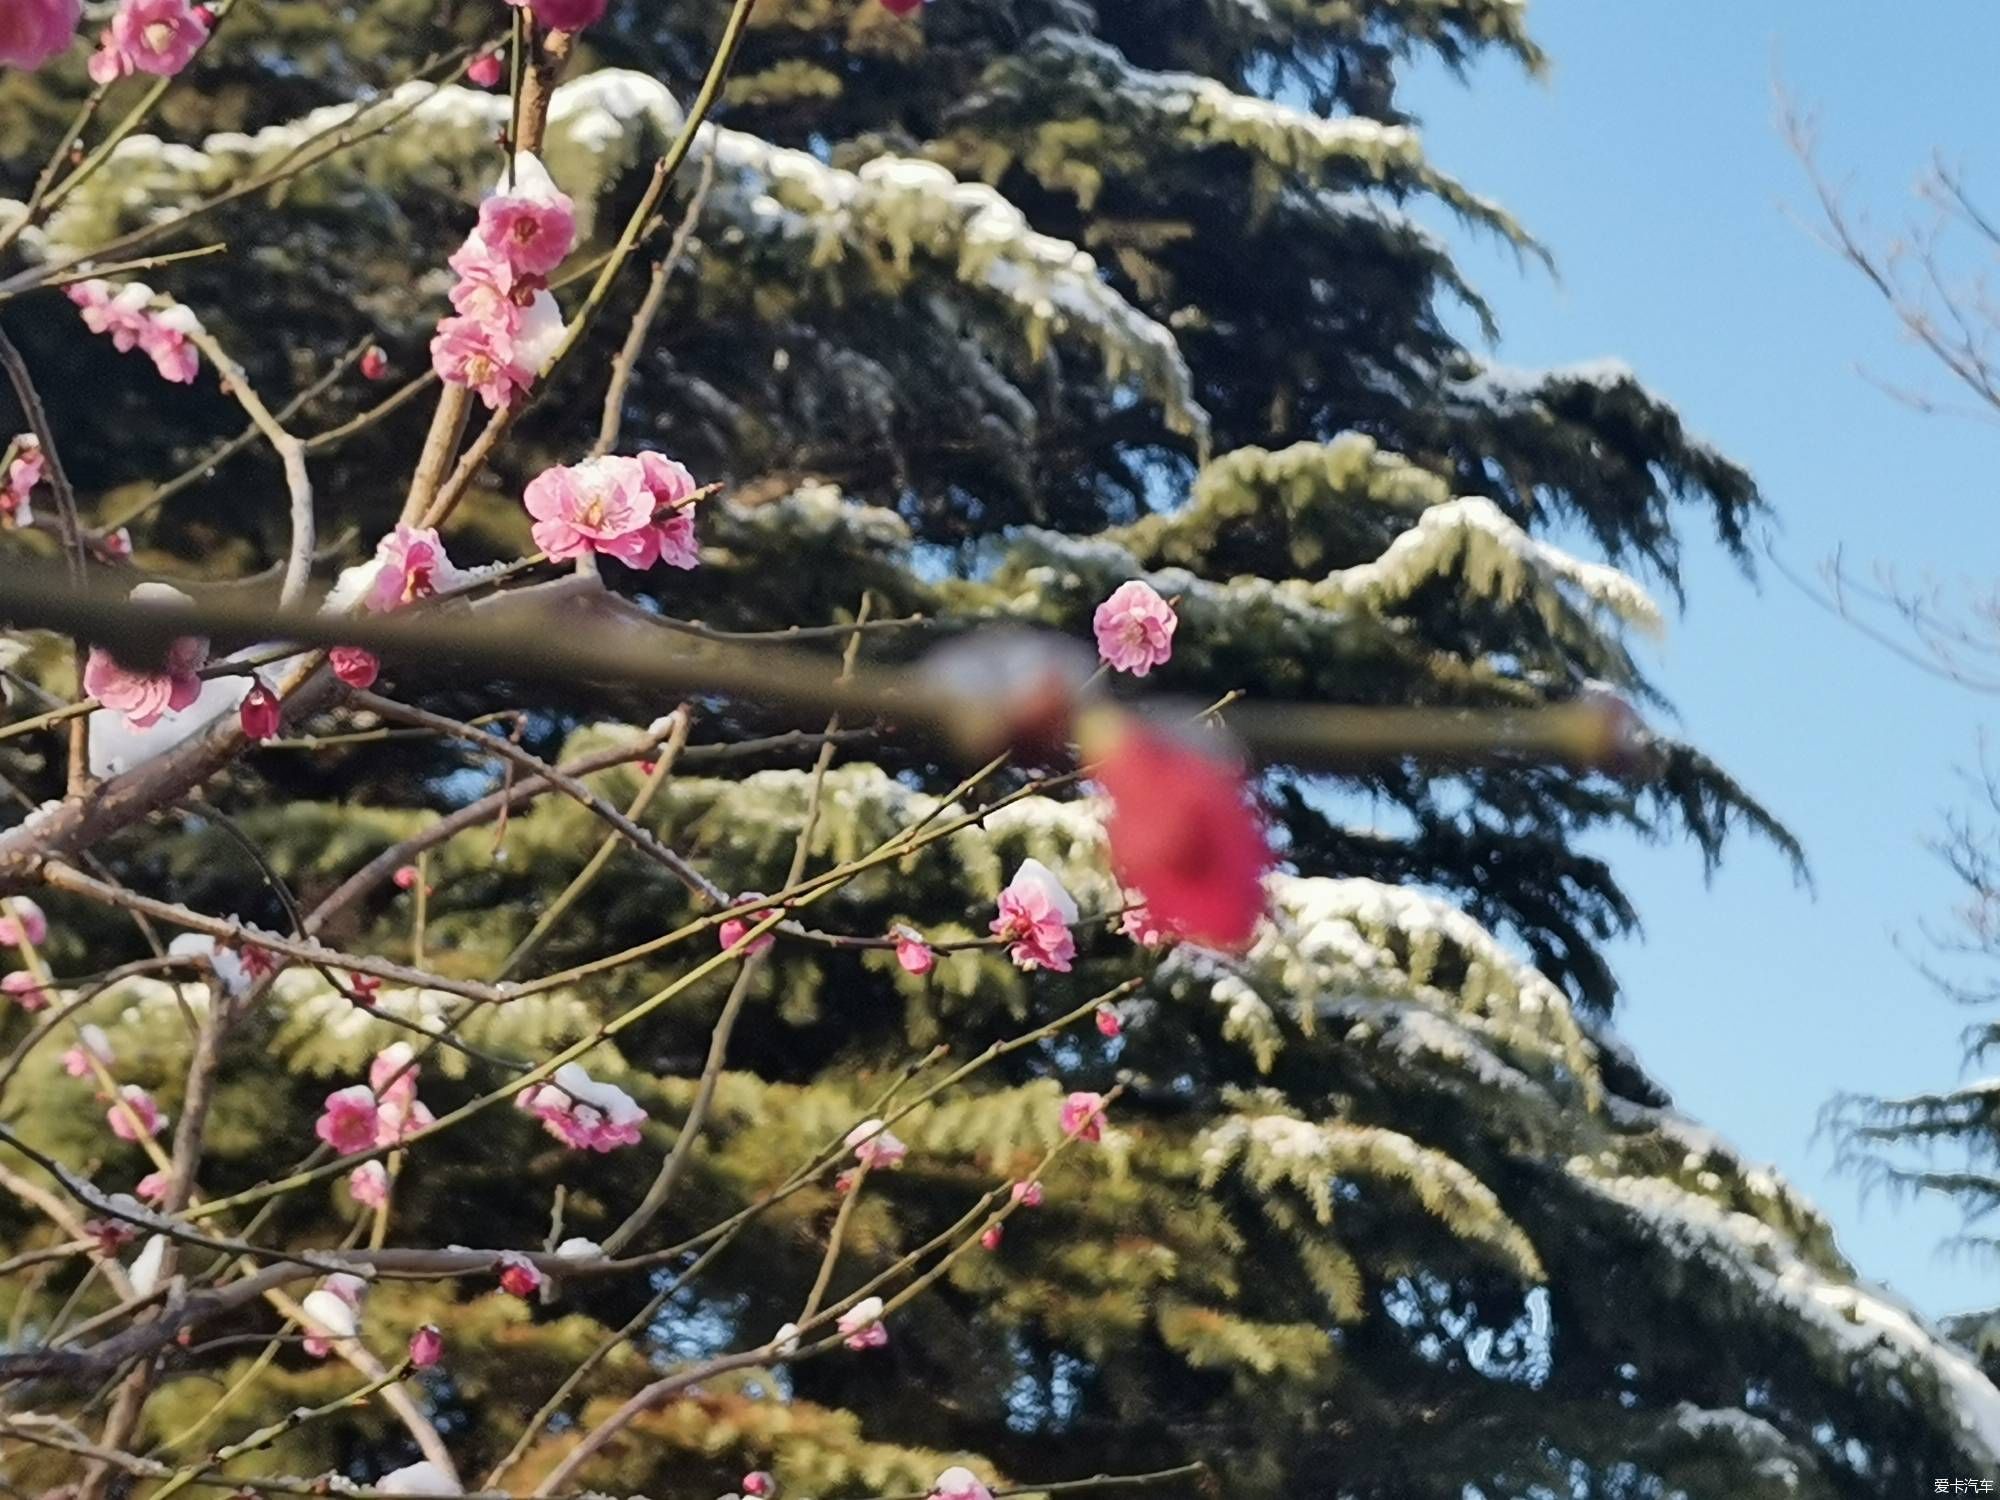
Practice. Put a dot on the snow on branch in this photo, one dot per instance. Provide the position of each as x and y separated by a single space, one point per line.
1494 556
895 213
1094 80
1330 942
1862 1324
1315 488
911 209
1468 540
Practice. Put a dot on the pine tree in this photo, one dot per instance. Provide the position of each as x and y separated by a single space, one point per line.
979 315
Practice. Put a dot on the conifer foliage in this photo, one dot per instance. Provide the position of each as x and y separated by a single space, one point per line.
761 1102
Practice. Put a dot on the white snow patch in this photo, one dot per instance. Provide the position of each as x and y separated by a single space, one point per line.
1866 1321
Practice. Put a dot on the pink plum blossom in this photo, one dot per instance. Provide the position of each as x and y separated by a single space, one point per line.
991 1237
152 1188
34 31
1035 917
1139 924
118 543
483 358
349 1120
22 920
582 1113
1135 628
410 564
758 1484
672 488
23 474
1027 1194
354 666
91 1043
159 37
1109 1024
426 1347
143 696
533 230
397 1121
368 1184
374 363
490 289
134 1112
736 929
958 1483
600 505
25 990
392 1077
393 1072
875 1148
912 952
121 312
861 1325
484 70
1083 1116
1184 828
667 478
519 1276
166 338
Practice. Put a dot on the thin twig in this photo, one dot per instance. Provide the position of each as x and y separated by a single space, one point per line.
37 414
640 838
570 894
291 452
662 1188
627 362
205 466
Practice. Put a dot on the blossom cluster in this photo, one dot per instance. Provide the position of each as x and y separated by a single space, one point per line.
385 1111
144 696
409 566
130 316
581 1112
505 326
633 509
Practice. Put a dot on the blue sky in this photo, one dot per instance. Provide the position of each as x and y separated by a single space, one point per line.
1651 163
